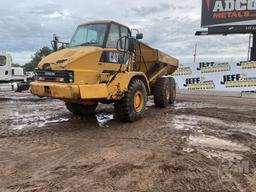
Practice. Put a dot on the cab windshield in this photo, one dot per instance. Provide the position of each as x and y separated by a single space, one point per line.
92 34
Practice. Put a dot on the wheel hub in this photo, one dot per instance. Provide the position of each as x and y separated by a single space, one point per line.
138 101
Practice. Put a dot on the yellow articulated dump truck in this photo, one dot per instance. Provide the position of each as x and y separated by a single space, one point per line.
105 63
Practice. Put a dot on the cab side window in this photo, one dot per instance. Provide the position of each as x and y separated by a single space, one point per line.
2 60
114 36
124 33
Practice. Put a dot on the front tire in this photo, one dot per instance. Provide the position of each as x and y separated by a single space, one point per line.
81 110
132 106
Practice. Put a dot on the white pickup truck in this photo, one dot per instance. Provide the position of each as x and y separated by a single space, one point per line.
11 78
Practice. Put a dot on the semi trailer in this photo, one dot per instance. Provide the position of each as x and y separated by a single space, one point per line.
105 63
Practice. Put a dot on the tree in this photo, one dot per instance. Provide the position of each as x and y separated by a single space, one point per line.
37 57
16 65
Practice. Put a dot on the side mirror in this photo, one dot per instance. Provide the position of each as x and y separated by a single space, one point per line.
139 36
55 42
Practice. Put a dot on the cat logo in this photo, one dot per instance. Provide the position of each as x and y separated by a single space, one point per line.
113 57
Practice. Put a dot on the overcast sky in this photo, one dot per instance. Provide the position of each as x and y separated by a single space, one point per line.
26 25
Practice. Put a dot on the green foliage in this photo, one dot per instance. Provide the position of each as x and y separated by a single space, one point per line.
36 58
16 65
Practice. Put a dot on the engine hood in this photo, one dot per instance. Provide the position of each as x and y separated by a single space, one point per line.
62 58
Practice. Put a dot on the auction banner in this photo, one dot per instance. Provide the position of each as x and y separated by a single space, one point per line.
228 12
221 76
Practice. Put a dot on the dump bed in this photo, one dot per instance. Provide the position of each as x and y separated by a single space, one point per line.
153 62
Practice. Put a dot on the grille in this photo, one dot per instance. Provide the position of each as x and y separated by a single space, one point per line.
55 76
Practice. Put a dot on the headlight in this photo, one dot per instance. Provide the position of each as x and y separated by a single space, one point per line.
71 76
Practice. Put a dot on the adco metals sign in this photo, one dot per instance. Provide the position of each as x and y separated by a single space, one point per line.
228 12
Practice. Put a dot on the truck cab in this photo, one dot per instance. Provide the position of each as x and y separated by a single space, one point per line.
5 67
101 64
11 78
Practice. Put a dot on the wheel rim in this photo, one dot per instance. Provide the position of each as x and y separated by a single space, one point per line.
138 101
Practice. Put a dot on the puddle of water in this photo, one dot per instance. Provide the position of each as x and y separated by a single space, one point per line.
40 119
232 126
204 141
212 146
201 105
222 154
190 122
244 128
150 103
191 105
37 122
23 122
20 112
186 122
215 147
104 119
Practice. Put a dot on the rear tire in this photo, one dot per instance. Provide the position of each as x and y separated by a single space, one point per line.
81 110
162 92
173 90
132 106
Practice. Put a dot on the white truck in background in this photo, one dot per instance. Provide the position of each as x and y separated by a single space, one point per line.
11 78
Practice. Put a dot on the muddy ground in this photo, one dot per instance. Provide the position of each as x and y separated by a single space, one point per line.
199 144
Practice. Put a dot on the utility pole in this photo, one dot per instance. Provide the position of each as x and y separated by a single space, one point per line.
253 49
249 47
195 53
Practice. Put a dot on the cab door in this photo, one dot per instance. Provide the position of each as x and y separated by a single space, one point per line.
112 59
5 68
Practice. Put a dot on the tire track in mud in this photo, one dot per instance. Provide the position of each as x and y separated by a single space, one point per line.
226 135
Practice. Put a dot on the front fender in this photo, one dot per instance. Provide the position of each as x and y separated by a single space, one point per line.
119 86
